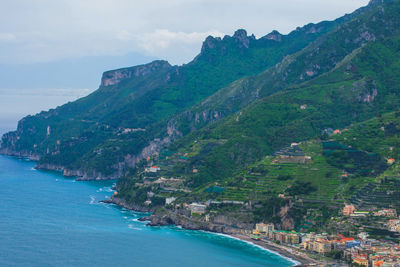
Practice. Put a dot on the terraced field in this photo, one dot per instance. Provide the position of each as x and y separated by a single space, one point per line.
385 194
268 177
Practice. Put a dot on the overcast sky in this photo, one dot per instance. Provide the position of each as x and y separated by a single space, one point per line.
49 30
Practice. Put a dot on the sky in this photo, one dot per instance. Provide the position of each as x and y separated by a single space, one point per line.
54 51
49 30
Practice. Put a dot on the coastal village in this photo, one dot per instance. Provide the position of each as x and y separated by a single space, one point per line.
359 250
327 249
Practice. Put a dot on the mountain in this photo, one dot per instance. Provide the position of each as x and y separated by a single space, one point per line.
339 79
247 126
130 116
348 75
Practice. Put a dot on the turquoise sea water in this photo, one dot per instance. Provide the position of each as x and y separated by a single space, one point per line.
49 220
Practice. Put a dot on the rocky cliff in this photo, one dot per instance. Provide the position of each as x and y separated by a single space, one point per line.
227 224
114 77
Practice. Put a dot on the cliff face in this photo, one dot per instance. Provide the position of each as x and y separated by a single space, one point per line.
223 223
122 202
80 174
8 147
114 77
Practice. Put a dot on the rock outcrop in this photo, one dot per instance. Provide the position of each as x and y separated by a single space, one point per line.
114 77
121 202
274 35
216 223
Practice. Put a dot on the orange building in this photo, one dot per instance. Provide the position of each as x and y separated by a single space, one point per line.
361 261
349 209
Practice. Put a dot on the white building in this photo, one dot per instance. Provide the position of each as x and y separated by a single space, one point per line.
169 200
197 208
152 169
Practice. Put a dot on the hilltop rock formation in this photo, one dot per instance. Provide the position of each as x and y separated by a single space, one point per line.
114 77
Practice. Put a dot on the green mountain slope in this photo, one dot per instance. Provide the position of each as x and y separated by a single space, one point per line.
359 80
224 128
129 117
322 56
363 83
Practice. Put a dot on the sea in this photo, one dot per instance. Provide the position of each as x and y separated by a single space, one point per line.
49 220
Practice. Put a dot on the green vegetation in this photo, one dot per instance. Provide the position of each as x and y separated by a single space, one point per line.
215 124
353 160
88 134
300 188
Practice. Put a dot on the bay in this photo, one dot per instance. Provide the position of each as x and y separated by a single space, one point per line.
49 220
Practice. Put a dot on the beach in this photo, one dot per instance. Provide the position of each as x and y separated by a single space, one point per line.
298 258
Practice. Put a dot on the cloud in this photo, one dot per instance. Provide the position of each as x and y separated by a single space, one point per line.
45 30
163 39
7 37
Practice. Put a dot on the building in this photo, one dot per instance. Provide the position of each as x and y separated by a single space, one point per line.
338 245
322 246
352 244
348 210
265 228
394 225
282 236
197 208
294 239
270 227
363 235
153 169
391 213
261 227
361 261
169 200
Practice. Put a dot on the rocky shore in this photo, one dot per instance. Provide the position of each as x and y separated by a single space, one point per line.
173 218
221 223
19 154
122 203
227 226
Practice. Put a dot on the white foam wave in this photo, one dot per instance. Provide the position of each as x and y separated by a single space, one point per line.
92 200
131 226
295 262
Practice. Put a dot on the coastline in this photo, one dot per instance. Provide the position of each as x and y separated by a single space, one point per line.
122 203
298 259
